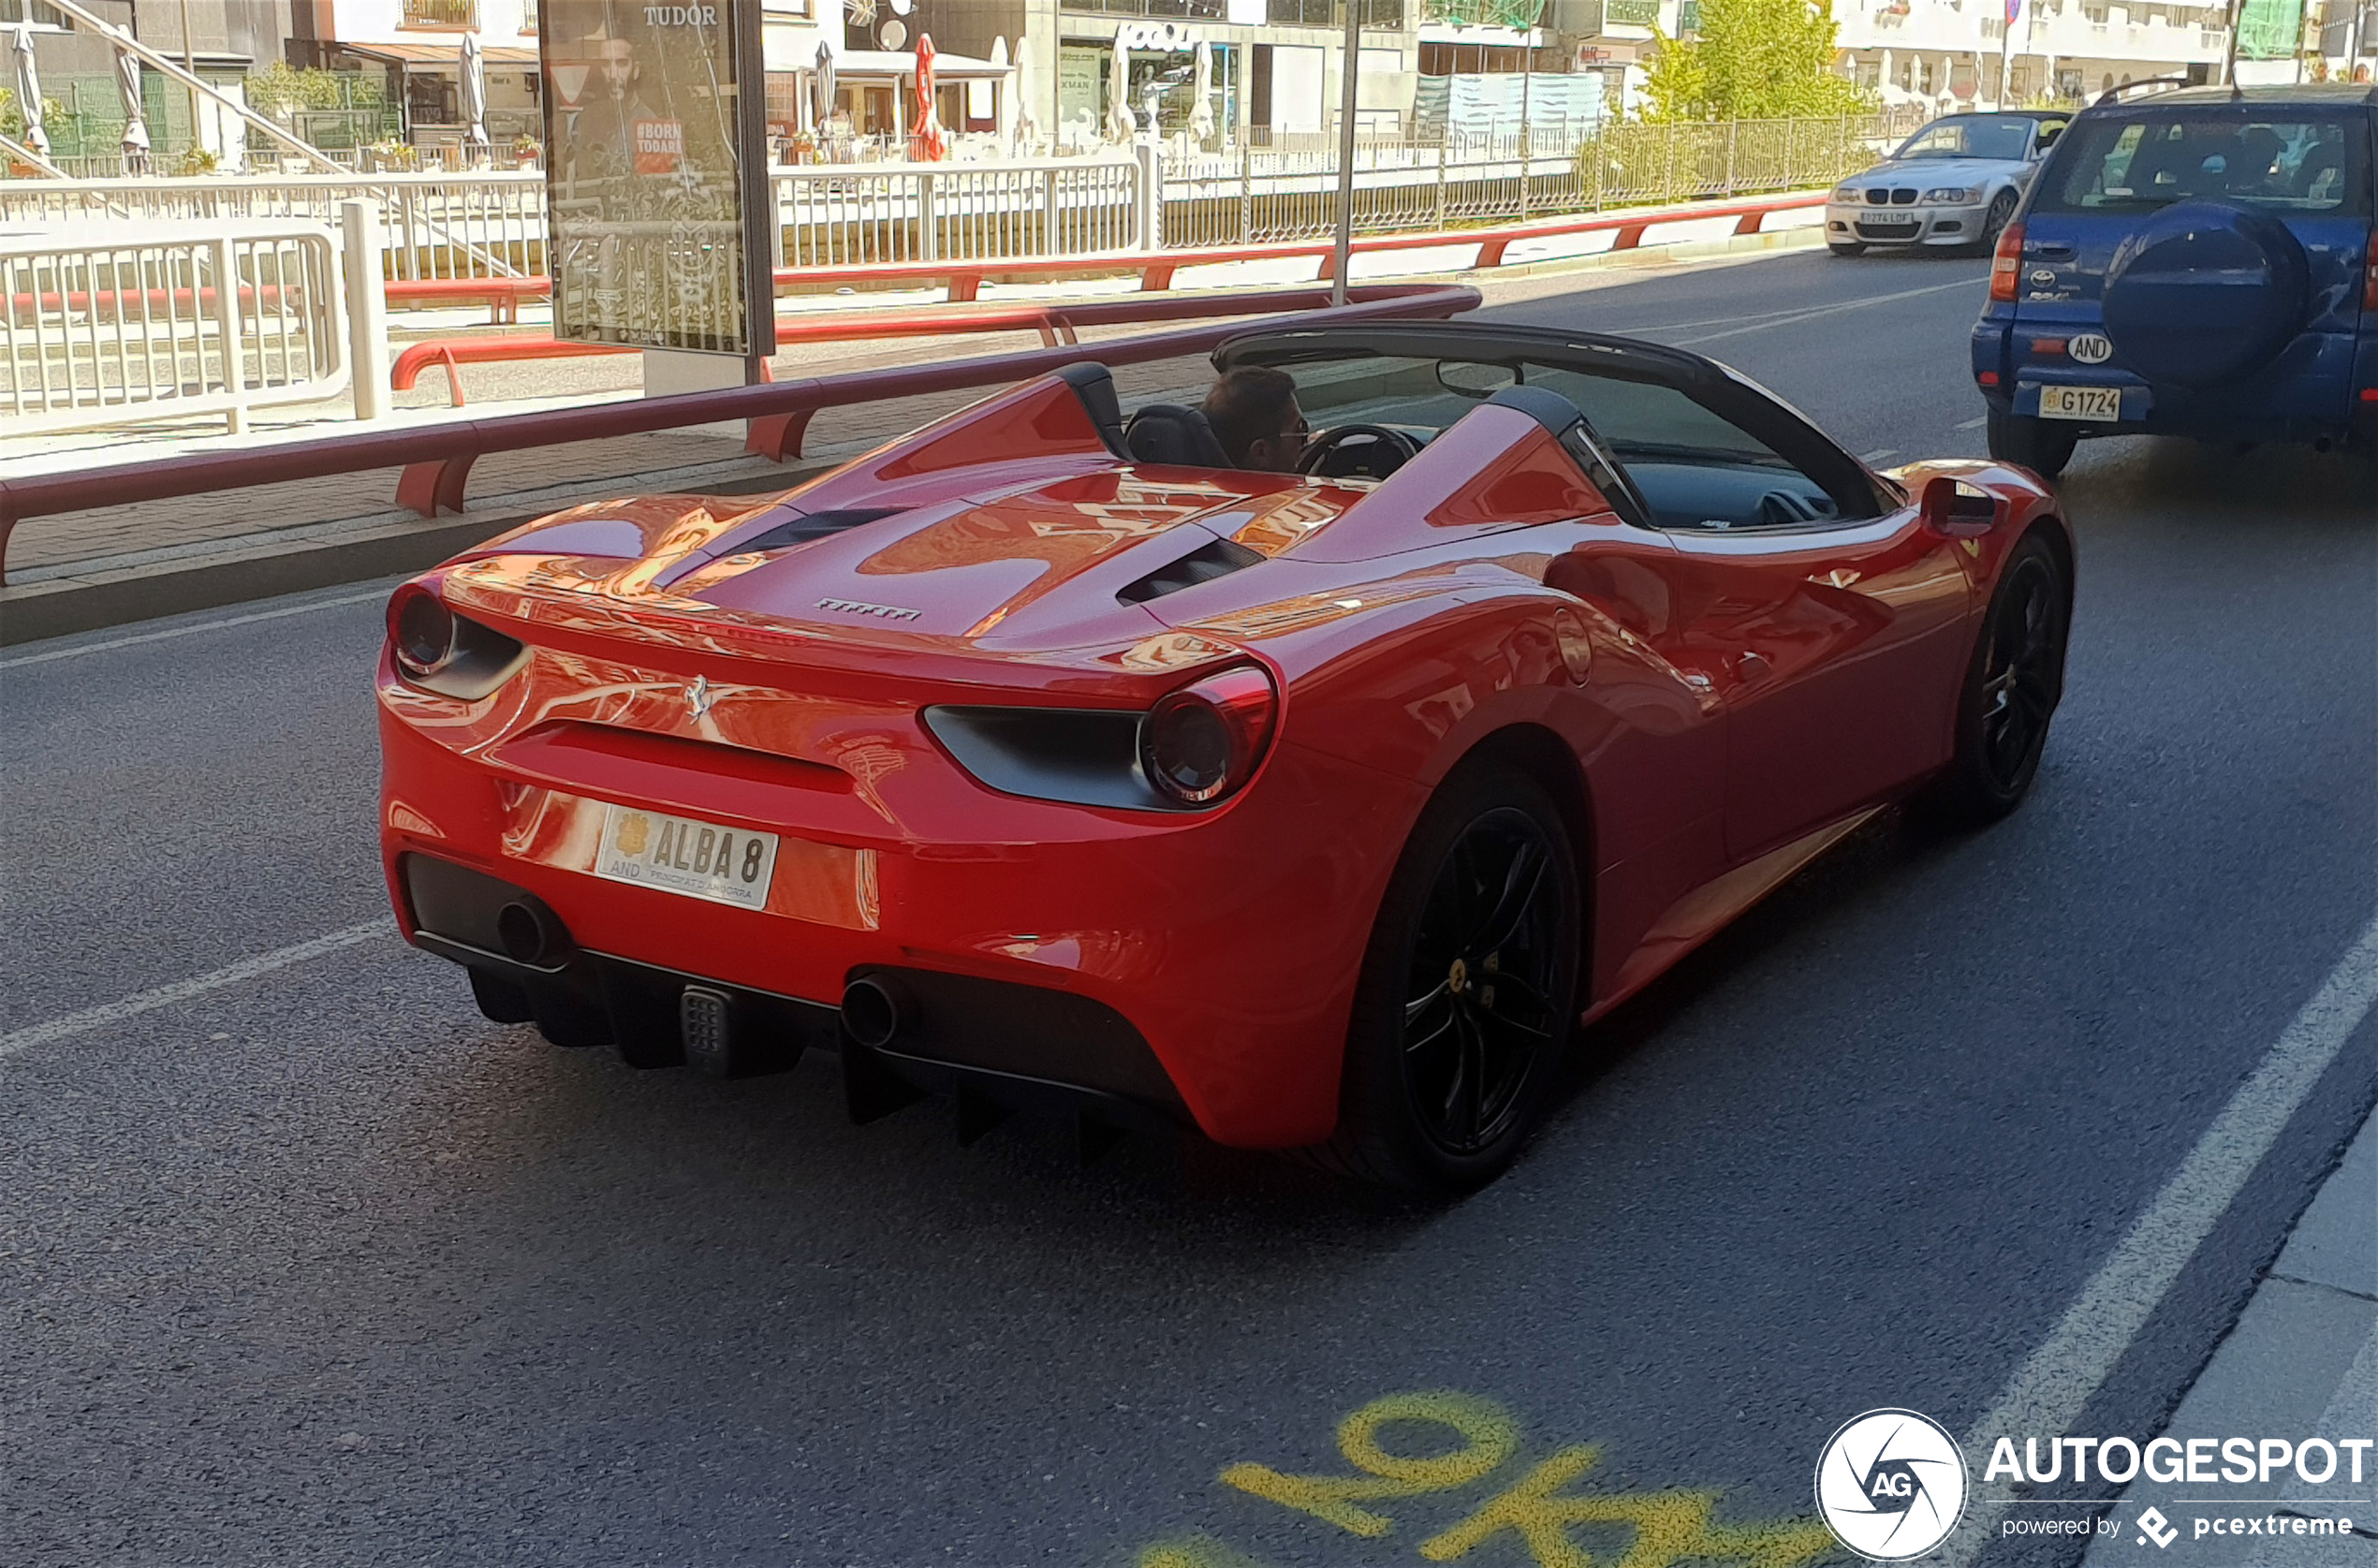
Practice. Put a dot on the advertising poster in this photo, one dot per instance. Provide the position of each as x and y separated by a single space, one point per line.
654 157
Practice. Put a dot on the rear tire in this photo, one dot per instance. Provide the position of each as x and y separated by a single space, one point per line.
2037 444
1468 990
2012 685
1845 247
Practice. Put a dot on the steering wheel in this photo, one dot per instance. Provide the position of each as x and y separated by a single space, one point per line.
1377 439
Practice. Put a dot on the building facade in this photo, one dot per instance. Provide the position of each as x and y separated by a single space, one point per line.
1964 53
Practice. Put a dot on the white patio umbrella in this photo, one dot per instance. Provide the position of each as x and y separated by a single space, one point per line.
1120 123
821 82
1020 89
136 122
28 86
474 96
1201 111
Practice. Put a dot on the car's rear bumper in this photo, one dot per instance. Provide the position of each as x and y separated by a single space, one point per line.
1222 947
1903 226
2307 393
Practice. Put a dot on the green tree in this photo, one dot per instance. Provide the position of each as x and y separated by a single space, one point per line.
277 88
1752 60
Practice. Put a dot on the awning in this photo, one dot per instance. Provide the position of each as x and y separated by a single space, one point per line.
443 56
879 64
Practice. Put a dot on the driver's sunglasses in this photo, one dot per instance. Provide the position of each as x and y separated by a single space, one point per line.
1302 430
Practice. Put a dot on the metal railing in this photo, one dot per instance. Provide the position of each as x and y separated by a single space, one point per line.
150 323
489 223
438 460
847 215
1257 196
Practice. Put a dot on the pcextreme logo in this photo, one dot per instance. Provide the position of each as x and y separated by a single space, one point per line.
1891 1485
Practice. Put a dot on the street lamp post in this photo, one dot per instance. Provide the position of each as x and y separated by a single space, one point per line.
1350 73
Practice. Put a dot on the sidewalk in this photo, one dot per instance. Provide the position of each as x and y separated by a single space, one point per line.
2302 1363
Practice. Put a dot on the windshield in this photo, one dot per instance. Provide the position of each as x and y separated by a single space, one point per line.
2297 164
2003 137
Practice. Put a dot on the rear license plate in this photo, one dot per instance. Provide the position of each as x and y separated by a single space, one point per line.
680 855
2080 402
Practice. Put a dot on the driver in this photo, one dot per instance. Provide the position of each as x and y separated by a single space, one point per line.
1255 416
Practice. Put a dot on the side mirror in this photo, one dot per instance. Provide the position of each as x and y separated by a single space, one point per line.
1954 507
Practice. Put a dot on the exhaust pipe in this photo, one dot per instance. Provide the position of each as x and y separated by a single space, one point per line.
530 934
873 1011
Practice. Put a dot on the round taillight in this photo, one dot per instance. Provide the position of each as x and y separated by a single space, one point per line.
1203 743
423 630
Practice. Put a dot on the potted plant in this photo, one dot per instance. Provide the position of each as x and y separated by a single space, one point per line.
525 150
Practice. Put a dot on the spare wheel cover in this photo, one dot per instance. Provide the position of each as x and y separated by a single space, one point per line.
2203 291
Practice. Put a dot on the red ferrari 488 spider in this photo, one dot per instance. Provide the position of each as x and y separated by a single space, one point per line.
1041 757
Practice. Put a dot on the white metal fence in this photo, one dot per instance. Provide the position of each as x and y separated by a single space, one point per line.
838 215
98 327
1256 195
491 222
487 223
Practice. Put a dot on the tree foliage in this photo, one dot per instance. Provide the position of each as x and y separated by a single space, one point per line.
278 88
1752 60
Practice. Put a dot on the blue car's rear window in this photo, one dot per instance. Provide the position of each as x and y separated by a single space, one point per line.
2289 162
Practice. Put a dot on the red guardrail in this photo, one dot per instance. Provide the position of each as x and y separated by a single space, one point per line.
437 460
1056 324
1156 268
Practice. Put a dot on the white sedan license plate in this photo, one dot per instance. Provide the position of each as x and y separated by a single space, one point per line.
679 855
2080 402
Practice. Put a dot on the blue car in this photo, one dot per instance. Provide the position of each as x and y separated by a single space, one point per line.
2197 262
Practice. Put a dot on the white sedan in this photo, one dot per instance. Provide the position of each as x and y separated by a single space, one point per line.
1954 182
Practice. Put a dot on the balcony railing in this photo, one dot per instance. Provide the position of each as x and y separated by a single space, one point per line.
1631 14
443 16
1192 10
1388 14
1483 13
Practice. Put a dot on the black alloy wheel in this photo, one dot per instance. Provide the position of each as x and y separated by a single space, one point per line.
1468 990
2012 687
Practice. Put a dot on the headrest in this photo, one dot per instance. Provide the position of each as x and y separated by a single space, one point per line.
1166 432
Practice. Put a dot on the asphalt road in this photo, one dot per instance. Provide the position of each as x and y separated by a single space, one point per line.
317 1267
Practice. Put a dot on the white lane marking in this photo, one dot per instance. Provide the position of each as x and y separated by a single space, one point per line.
181 990
1975 423
2048 1393
186 631
1815 312
1878 454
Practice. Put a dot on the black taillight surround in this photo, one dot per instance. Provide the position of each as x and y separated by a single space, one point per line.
1101 757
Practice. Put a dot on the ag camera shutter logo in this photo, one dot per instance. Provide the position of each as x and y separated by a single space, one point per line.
1891 1485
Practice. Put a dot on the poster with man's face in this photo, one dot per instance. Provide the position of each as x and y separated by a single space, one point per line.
644 174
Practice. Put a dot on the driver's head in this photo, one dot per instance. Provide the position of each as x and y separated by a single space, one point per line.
1255 416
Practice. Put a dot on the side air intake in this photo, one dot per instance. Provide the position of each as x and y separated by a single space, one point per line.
1202 564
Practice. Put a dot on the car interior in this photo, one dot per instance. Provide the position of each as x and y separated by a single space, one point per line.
1665 458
